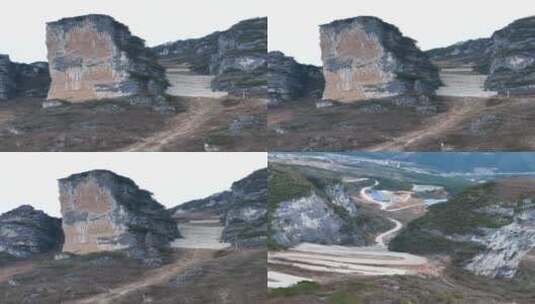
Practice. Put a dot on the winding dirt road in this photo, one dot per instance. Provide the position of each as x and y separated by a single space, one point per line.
460 111
183 125
380 239
154 277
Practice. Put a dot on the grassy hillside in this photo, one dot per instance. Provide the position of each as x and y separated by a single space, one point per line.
464 214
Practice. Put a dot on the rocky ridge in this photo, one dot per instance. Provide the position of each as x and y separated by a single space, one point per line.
290 80
242 210
506 57
512 68
487 229
236 57
476 53
25 232
94 57
103 211
366 58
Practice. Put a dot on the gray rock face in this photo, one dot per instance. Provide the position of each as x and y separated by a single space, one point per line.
506 246
339 197
310 219
475 52
246 220
25 231
237 57
243 210
366 58
23 80
103 211
290 80
512 68
32 80
94 57
7 78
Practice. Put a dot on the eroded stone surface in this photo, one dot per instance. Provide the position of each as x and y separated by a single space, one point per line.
290 80
25 231
95 57
512 68
103 211
237 57
7 83
366 58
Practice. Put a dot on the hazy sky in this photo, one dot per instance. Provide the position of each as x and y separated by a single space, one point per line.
293 25
157 21
174 178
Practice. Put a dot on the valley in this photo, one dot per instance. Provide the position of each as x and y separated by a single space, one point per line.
420 247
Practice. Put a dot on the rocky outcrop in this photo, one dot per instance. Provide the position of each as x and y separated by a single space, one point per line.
475 53
94 57
310 219
25 232
487 229
290 80
512 67
242 210
237 57
32 80
506 246
23 80
7 79
103 211
246 219
366 58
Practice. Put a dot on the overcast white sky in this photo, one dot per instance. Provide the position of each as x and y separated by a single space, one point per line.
293 25
22 22
174 178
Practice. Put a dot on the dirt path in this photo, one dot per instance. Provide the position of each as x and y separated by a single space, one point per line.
459 111
21 267
380 239
154 277
184 125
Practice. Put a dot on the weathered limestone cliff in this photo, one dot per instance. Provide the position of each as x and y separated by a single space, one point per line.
237 57
512 67
290 80
366 58
94 57
310 219
103 211
25 231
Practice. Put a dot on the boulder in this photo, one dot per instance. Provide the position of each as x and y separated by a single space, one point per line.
94 57
512 66
366 58
290 80
236 57
103 211
25 232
